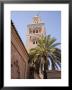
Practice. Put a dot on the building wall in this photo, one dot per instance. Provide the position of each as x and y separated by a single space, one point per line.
19 57
54 74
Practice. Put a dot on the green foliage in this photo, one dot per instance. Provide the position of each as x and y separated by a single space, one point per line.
45 50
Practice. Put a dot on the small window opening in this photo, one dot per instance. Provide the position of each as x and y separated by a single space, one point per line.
36 31
33 42
33 31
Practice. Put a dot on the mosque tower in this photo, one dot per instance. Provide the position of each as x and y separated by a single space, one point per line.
34 31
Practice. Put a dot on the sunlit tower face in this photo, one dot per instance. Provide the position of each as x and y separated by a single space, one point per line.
34 31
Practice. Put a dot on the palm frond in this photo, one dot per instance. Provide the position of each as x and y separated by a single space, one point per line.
46 49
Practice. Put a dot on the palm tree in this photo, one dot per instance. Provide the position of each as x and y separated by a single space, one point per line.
45 50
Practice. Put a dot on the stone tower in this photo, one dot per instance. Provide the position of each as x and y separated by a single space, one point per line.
34 31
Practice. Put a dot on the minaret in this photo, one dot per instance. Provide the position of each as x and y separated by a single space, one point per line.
34 31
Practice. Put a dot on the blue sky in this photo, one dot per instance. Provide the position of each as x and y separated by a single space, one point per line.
52 20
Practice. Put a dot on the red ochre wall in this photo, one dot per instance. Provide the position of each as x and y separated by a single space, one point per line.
19 56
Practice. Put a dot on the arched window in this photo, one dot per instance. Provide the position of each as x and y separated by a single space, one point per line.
36 31
33 42
33 31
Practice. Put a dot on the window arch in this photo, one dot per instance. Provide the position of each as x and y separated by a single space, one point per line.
33 31
33 42
36 31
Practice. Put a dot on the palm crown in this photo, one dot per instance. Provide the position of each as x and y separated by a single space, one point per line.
46 50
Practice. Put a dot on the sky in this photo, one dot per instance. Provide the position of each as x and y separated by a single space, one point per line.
52 20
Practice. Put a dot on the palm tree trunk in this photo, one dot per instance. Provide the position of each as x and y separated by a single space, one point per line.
45 68
45 72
